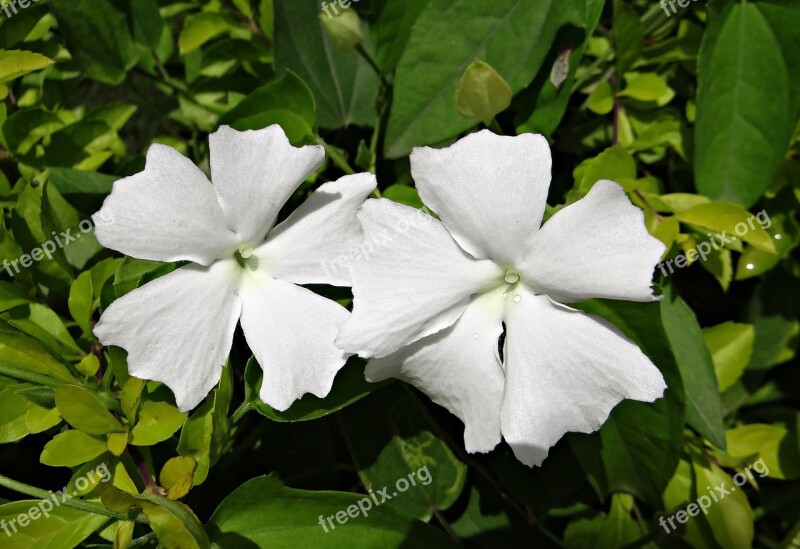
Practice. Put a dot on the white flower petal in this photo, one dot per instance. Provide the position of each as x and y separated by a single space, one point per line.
177 329
411 280
291 332
489 190
315 244
254 174
168 212
597 247
458 368
565 371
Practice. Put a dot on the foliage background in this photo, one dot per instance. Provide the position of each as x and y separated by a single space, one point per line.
695 114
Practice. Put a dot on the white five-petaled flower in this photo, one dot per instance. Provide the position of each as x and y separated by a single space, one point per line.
430 309
178 329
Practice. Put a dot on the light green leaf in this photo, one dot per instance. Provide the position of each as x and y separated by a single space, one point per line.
601 100
85 412
731 345
62 528
731 219
158 421
731 518
16 63
72 448
776 445
22 352
174 523
647 87
199 29
207 431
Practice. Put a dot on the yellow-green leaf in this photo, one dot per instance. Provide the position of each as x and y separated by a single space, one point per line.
731 345
157 422
776 445
482 93
71 448
16 63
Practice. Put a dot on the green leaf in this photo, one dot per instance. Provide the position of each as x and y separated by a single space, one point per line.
615 529
72 448
84 412
61 528
348 387
344 86
393 437
639 445
775 445
732 220
510 35
158 421
199 29
748 99
69 181
268 515
703 405
731 345
19 351
98 38
174 523
482 94
629 33
774 315
16 63
286 101
392 30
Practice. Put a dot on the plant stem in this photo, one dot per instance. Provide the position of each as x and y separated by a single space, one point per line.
371 62
74 503
336 156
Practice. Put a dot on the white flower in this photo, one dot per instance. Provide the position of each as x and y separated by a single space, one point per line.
179 328
432 307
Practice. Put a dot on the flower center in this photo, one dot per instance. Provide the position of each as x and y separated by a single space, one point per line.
245 258
512 277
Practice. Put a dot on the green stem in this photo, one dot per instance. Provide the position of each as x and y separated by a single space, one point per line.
38 379
74 503
495 127
336 156
371 62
